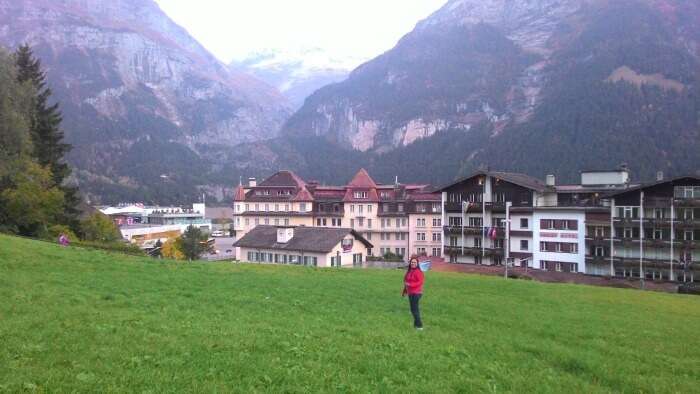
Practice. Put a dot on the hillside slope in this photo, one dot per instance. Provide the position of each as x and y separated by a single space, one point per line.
81 320
595 83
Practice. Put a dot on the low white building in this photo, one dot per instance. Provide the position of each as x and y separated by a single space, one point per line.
147 235
314 246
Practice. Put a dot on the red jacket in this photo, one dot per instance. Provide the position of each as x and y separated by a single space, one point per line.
413 281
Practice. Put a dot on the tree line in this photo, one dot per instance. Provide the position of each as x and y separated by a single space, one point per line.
36 197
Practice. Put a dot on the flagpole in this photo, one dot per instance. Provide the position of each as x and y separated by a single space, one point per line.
483 223
670 276
641 238
463 217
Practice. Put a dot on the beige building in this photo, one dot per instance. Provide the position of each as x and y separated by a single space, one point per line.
312 246
399 219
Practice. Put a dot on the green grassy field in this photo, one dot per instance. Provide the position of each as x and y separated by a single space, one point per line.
81 320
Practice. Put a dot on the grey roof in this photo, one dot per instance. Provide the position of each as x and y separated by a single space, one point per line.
523 180
307 239
655 183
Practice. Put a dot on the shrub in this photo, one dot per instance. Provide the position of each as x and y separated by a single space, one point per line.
99 227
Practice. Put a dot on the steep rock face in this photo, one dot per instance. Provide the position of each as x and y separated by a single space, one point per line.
509 77
469 62
125 74
449 76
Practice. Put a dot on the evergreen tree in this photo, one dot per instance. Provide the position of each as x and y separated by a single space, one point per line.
45 130
192 243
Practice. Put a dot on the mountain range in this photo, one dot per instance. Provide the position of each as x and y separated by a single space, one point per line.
297 72
145 106
533 86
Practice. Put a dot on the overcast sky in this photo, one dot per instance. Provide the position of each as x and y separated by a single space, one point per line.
231 29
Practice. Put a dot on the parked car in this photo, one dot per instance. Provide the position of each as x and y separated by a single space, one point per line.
217 233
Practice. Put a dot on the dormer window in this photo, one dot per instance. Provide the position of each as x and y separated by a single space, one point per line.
360 194
384 194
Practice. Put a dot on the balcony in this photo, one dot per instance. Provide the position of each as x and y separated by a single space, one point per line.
627 221
686 202
653 263
656 222
598 241
472 230
601 259
690 245
657 243
457 207
474 251
687 223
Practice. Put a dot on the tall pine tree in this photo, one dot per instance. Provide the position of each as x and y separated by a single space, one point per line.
45 130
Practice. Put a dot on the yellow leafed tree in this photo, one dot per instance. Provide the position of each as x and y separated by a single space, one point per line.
173 250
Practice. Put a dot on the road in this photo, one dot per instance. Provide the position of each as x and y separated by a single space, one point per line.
225 248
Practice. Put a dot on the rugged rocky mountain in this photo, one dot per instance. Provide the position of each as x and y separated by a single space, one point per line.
144 104
527 85
297 73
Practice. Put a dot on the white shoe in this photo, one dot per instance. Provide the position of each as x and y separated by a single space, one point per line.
419 328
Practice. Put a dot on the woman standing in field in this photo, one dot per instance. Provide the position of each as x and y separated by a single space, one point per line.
413 286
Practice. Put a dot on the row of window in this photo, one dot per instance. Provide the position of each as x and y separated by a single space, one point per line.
263 257
335 222
401 252
271 207
559 266
558 224
558 247
436 252
651 233
686 191
267 192
397 236
658 213
498 197
399 222
266 221
360 208
497 243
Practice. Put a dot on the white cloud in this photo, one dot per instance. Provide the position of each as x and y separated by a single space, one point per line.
358 29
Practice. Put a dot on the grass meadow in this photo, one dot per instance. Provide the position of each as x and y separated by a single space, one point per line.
83 320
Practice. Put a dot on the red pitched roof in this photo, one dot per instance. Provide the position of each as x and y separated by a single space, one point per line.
362 180
283 178
239 193
303 195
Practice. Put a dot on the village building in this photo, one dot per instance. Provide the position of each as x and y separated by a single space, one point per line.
312 246
399 220
605 225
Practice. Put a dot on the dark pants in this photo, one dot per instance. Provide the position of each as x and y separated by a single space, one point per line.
413 299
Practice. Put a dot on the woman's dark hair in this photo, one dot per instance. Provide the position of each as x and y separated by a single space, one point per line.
411 260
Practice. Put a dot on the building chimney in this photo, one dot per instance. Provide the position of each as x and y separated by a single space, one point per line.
551 180
284 234
659 176
252 182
